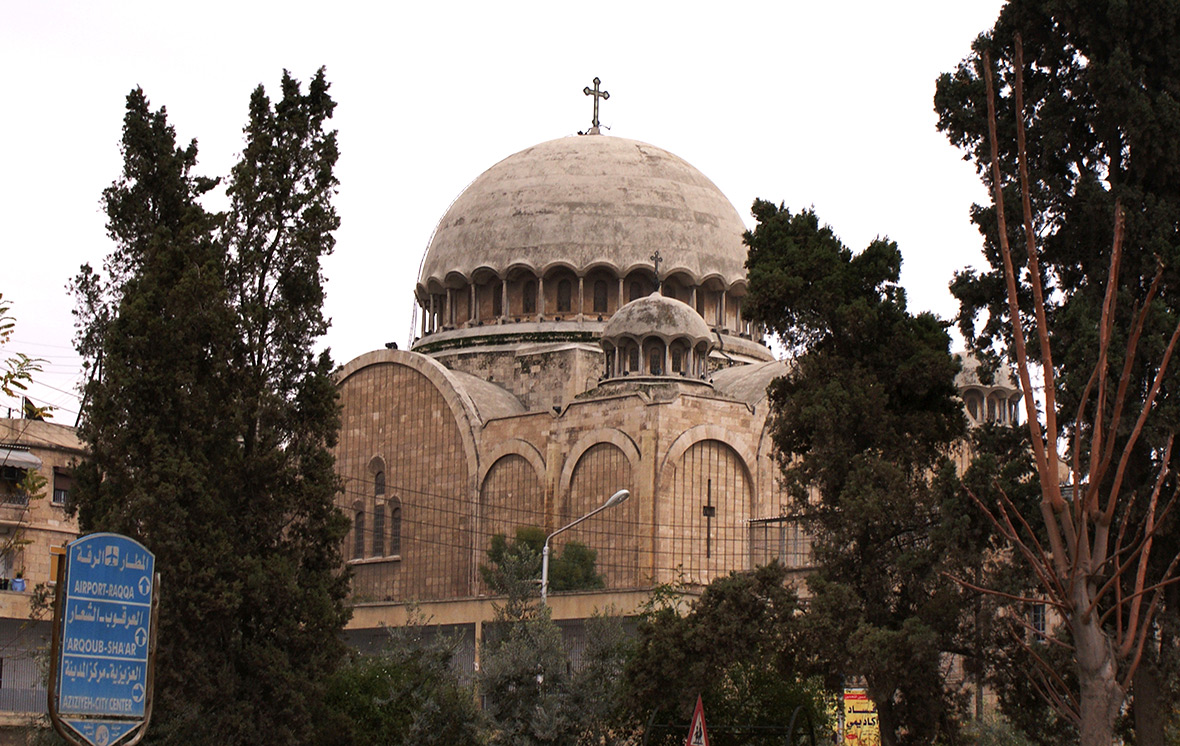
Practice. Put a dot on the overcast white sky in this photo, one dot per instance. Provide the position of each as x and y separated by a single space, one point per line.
824 104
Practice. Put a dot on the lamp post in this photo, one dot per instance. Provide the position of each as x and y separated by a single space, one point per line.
615 499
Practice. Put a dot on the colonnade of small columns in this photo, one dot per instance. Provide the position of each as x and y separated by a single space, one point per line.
569 298
652 357
1000 406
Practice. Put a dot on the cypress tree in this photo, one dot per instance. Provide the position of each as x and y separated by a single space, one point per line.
209 420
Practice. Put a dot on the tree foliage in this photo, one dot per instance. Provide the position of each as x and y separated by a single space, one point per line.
1100 128
863 422
739 647
518 561
408 693
208 420
17 371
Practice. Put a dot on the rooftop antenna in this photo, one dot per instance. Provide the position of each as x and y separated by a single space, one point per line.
597 94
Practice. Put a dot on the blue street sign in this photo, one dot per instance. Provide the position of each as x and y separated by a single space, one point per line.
105 640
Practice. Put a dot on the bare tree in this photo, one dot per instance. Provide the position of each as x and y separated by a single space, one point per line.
1093 563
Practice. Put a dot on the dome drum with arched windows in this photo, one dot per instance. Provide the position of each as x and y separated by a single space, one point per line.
996 401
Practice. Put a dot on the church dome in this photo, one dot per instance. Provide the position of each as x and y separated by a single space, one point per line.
587 202
657 316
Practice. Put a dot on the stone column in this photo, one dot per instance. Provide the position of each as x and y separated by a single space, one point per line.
540 298
504 299
581 296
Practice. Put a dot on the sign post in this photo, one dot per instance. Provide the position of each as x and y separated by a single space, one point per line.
104 641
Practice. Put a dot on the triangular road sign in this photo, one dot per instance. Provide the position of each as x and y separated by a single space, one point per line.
698 735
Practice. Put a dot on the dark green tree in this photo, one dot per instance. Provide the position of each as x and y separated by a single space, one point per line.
519 561
524 668
209 422
1100 83
863 423
739 647
407 694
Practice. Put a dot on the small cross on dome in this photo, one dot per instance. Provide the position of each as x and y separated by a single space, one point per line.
597 94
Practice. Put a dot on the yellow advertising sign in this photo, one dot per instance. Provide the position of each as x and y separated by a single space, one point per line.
860 719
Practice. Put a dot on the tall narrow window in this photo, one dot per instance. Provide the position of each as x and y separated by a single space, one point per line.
395 526
701 302
358 531
63 482
676 362
530 296
564 291
379 531
599 296
637 289
633 359
497 299
1037 620
379 483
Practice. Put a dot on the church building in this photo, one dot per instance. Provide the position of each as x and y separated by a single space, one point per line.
579 332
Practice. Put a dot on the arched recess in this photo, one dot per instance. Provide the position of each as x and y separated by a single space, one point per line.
522 448
708 497
405 407
611 435
693 435
615 534
511 495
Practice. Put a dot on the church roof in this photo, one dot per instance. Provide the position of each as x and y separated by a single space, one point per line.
747 383
584 202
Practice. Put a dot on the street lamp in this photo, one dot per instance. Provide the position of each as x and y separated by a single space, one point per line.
615 499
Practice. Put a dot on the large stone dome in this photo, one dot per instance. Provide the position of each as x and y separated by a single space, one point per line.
586 202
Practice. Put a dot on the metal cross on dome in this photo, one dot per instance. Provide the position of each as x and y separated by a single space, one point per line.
656 259
597 94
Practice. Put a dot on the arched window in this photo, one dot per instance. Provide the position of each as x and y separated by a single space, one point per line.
530 297
973 405
358 531
701 302
633 359
637 290
379 483
677 362
395 526
564 290
655 361
599 296
379 531
497 299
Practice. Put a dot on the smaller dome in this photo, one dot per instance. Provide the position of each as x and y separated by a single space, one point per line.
969 375
657 316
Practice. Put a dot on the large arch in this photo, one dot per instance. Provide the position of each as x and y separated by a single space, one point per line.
589 439
615 535
511 495
707 494
516 446
391 402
